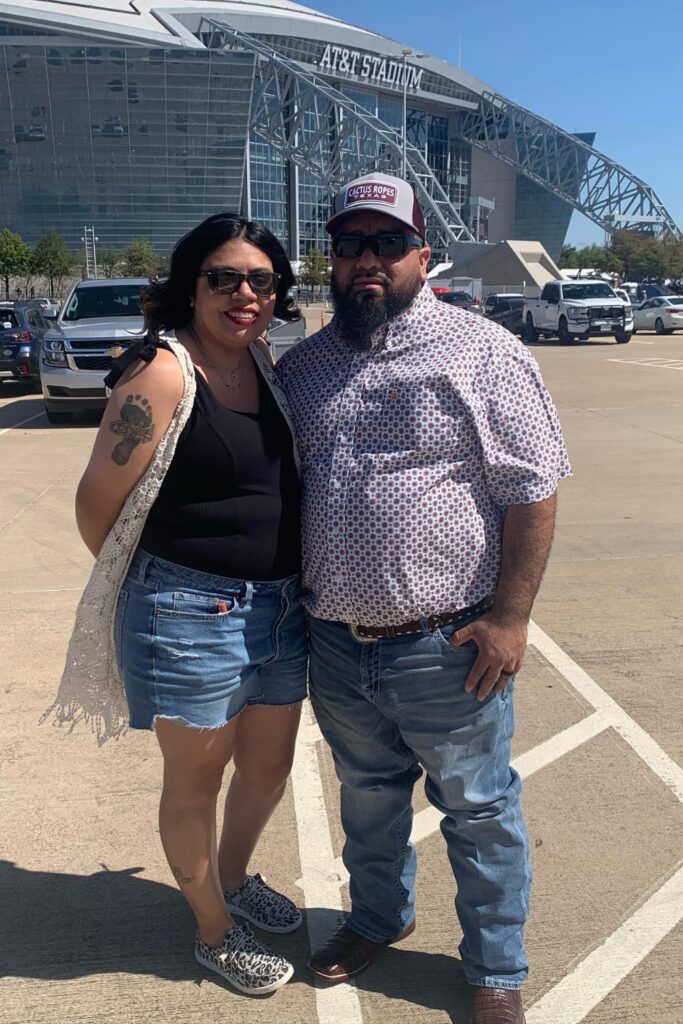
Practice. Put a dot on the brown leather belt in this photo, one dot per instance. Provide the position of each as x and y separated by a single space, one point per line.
368 634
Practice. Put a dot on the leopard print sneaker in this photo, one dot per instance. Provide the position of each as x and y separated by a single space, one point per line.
244 962
263 906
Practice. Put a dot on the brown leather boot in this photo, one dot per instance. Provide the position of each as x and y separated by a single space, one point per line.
347 953
496 1006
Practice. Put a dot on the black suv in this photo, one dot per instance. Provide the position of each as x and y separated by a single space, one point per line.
22 327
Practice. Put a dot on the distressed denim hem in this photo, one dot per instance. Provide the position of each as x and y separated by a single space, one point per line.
492 982
190 725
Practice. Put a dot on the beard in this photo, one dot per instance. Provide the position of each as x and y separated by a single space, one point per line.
362 314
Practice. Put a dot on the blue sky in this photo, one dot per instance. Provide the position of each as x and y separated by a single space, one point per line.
609 66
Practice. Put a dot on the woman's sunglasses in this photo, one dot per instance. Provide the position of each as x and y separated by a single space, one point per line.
388 245
223 281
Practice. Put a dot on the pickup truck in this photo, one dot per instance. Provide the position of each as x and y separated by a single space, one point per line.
575 310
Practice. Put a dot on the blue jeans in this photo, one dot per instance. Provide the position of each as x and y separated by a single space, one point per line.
388 710
199 648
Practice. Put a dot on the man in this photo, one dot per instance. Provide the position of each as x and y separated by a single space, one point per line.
431 455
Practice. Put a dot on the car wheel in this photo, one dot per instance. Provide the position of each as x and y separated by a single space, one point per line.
563 334
58 417
531 332
659 326
622 337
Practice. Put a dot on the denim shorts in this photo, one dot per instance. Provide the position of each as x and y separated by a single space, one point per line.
200 648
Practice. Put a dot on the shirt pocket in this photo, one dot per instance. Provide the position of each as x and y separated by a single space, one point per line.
405 417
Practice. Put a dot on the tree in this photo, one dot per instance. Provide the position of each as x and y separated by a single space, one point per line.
52 258
672 257
15 256
315 269
163 266
641 254
139 258
108 261
568 256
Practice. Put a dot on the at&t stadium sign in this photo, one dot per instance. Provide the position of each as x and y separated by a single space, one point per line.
373 68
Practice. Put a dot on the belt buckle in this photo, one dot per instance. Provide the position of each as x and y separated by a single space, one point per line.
353 628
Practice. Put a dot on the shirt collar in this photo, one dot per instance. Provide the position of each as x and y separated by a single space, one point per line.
411 319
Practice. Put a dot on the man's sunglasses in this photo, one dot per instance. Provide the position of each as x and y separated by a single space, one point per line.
224 281
387 245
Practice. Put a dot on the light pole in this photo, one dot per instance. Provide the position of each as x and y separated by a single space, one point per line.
405 53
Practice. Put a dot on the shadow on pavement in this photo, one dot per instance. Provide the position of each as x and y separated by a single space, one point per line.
430 980
61 926
19 410
64 926
23 409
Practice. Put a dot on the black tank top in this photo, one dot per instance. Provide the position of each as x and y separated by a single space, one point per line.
229 503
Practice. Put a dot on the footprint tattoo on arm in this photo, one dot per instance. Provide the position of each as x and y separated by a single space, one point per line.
134 427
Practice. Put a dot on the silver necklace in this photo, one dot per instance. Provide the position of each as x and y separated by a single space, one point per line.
234 378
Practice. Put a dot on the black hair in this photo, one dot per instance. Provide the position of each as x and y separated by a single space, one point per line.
167 303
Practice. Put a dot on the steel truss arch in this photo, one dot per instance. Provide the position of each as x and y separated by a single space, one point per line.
327 133
568 168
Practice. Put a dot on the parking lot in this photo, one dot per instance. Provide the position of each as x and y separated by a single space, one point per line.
93 930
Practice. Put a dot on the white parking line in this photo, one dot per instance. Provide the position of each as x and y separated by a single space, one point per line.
573 998
21 423
427 821
336 1004
657 760
655 362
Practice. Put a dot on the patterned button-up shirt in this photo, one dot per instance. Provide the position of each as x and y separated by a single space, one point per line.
411 453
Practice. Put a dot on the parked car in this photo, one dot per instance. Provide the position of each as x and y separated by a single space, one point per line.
639 292
283 335
97 322
663 314
496 297
461 299
22 329
48 307
509 313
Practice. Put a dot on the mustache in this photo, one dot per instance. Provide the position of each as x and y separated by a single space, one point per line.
362 275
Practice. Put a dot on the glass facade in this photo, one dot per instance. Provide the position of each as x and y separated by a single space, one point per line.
137 142
314 202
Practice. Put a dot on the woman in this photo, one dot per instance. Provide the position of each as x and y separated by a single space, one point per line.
208 632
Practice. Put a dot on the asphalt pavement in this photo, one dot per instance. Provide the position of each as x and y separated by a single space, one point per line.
93 928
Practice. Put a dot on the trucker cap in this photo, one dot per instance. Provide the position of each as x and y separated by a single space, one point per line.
381 193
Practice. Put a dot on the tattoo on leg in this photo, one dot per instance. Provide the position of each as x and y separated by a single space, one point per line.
181 878
135 427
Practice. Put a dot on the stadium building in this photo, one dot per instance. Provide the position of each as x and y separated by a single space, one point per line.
141 118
